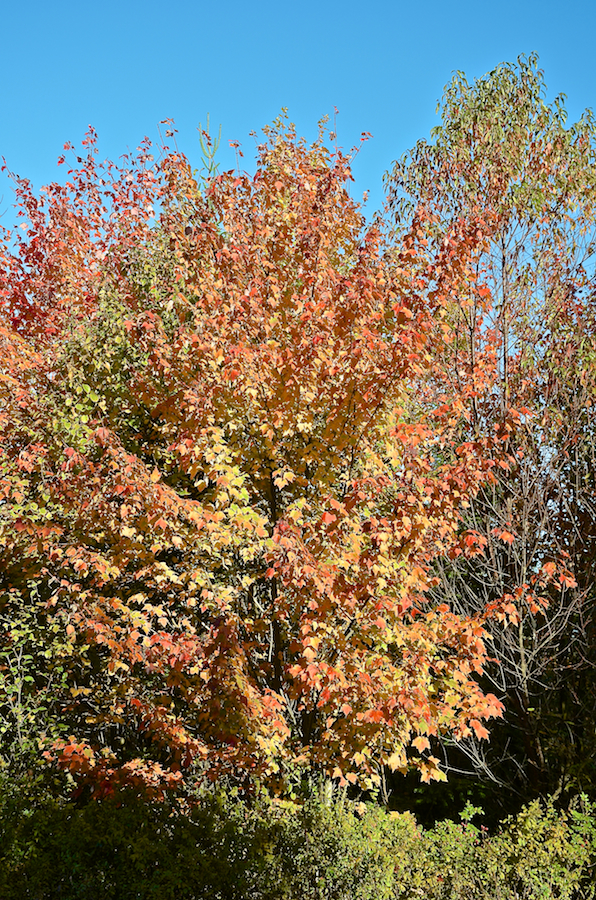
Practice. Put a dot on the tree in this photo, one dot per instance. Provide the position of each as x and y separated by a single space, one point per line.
229 463
505 158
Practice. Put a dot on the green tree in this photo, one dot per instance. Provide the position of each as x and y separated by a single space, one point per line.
505 161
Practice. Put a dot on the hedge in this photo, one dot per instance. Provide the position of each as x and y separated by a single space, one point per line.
224 848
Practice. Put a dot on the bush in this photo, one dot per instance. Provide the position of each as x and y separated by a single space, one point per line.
541 854
225 848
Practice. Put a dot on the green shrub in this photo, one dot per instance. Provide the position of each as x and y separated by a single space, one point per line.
124 849
544 853
229 849
328 853
541 854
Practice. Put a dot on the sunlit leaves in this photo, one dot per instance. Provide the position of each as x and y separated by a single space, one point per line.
248 463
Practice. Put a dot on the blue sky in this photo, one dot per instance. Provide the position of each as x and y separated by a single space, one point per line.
123 66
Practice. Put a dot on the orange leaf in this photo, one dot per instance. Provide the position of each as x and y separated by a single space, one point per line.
421 743
479 729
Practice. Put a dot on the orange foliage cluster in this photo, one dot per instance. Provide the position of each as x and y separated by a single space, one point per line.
230 455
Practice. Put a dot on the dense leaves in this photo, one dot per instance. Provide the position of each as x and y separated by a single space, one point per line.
229 460
282 492
318 850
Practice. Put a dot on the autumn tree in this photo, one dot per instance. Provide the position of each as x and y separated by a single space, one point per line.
229 464
505 158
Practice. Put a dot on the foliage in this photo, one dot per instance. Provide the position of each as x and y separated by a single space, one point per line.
271 479
229 461
267 850
505 159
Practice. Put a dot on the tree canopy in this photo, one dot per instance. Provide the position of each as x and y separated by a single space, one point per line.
505 157
271 477
228 463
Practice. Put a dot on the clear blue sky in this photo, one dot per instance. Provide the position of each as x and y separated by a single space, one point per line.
123 66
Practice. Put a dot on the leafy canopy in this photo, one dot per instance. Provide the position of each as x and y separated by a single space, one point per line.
229 459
